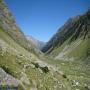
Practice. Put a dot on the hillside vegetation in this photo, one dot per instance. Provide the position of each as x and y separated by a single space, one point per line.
72 39
24 67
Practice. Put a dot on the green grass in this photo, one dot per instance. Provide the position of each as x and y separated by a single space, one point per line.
74 50
57 50
82 49
74 70
11 63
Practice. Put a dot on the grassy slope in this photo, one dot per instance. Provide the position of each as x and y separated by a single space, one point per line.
78 49
13 59
79 68
75 70
37 79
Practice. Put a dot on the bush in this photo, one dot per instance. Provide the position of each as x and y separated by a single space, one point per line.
44 69
64 76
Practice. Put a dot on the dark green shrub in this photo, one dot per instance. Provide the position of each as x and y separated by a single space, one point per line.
44 69
64 76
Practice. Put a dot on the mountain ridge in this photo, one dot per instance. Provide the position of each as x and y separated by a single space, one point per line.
73 29
38 44
24 67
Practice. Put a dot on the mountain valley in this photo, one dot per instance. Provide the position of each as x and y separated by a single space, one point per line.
62 64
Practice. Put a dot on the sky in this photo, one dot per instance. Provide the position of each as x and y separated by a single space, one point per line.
42 18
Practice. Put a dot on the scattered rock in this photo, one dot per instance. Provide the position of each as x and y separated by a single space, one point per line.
32 66
75 83
45 69
24 78
7 79
87 87
77 89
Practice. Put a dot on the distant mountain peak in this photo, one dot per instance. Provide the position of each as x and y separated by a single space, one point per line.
38 44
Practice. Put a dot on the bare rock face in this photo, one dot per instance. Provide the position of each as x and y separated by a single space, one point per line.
43 67
7 79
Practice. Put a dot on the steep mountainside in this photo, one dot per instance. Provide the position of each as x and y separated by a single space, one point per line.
21 67
24 67
8 24
38 44
71 40
69 50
